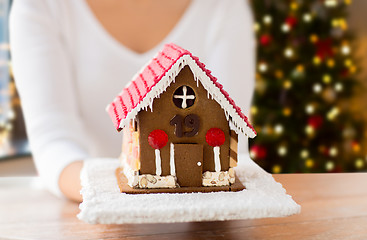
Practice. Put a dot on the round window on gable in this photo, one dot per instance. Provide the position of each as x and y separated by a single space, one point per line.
184 97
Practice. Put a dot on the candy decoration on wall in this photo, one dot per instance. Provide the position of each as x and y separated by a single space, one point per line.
215 137
158 139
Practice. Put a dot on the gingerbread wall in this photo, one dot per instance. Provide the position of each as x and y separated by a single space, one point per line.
210 114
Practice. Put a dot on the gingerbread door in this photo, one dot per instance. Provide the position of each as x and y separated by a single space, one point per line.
189 164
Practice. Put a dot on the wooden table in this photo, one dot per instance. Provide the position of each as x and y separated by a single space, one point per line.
334 206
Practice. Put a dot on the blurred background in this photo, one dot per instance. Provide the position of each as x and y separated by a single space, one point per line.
308 106
14 150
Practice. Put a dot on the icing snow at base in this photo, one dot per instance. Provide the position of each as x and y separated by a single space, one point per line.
103 203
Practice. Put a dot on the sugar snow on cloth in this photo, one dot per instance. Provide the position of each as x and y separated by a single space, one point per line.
103 203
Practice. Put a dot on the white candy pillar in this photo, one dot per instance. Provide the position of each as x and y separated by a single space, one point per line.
158 139
158 162
218 167
215 137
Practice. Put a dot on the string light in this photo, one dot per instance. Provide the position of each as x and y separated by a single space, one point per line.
282 151
309 163
317 87
304 153
267 19
316 60
329 165
300 68
326 78
348 62
309 130
276 168
256 27
330 63
278 129
310 109
352 69
359 163
314 38
287 111
336 22
331 3
288 52
267 130
345 50
253 154
333 113
261 85
254 110
279 74
333 151
285 27
287 84
307 17
356 147
338 87
339 23
263 67
294 6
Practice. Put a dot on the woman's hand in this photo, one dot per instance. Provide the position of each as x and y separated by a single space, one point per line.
69 181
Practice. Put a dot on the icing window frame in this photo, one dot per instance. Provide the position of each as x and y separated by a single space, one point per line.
184 97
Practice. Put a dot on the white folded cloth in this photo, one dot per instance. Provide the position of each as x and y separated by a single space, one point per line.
103 203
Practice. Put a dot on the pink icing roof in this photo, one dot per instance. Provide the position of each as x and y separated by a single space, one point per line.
143 82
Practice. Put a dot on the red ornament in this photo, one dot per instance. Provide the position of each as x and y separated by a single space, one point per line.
344 72
215 137
157 139
265 39
315 121
291 21
324 49
258 151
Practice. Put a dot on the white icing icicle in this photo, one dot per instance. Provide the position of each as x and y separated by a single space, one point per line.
158 163
217 159
236 123
172 160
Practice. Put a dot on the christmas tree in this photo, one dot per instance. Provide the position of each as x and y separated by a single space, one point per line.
306 74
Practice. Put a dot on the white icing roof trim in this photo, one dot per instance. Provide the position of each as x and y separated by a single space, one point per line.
236 123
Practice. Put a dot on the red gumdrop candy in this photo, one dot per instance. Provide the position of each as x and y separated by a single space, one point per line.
157 139
215 137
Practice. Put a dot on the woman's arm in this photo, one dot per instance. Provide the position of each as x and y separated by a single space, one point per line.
43 69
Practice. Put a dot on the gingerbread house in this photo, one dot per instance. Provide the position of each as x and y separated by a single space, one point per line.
180 128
